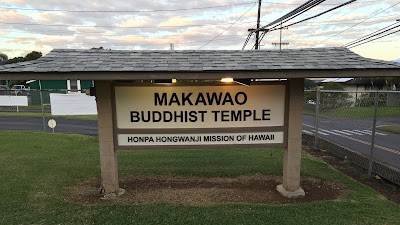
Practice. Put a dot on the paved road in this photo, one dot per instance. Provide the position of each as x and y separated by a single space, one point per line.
88 127
356 134
351 133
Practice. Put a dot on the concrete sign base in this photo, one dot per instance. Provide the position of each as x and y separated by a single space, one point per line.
113 195
290 194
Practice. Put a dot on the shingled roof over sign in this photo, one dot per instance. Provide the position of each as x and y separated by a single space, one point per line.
188 61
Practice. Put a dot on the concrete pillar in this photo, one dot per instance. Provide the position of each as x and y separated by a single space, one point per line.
292 156
108 157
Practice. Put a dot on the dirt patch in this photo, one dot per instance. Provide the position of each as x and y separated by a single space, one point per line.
386 188
257 189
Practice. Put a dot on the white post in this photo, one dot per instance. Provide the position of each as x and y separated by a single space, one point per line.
41 103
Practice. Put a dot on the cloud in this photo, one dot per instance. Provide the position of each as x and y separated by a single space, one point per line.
13 16
22 40
176 21
147 28
14 1
49 18
137 22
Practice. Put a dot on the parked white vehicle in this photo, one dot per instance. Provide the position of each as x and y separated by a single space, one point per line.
18 89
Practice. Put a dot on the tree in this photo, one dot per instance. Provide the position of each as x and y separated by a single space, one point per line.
33 56
30 56
16 60
99 48
390 81
3 57
333 86
331 100
309 84
13 82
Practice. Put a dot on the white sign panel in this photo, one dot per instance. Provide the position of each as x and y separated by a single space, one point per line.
155 107
72 104
8 100
200 139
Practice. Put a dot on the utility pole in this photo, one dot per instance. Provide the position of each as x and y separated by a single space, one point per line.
280 40
256 30
257 47
280 44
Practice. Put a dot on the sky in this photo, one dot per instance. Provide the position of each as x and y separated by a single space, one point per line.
42 25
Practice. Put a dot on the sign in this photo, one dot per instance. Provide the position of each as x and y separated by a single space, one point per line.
9 100
200 139
72 104
199 115
199 106
52 123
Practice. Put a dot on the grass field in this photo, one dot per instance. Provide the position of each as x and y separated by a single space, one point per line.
37 170
390 128
362 112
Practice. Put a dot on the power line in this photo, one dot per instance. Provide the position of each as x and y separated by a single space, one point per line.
78 33
375 38
166 26
232 37
128 11
149 27
109 26
294 13
129 44
372 35
110 37
118 27
227 27
312 17
107 42
46 32
340 21
351 20
70 33
347 13
361 2
317 15
144 27
358 23
150 10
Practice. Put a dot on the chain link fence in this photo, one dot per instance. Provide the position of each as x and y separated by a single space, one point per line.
363 127
34 111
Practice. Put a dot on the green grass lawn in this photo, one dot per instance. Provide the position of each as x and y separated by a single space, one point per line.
362 112
395 129
37 170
